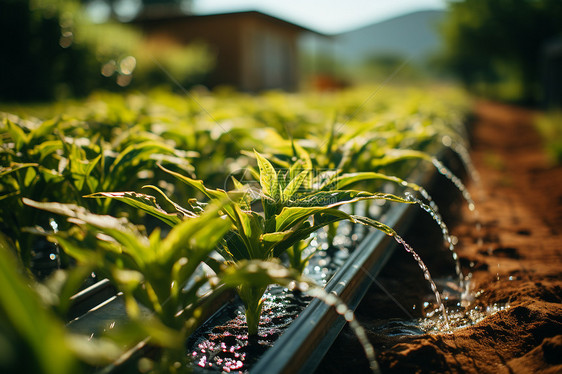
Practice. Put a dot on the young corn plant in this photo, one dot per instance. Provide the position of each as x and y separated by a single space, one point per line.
341 177
150 271
285 216
42 161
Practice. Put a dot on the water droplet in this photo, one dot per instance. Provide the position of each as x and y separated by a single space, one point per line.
54 225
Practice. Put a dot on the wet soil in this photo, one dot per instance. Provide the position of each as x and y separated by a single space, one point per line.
515 260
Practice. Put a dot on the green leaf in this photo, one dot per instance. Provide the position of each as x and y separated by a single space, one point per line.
45 129
47 148
275 237
92 182
146 203
29 322
195 237
338 197
246 200
376 224
304 157
123 231
249 226
18 135
198 185
292 216
395 155
130 160
195 207
257 274
235 248
343 180
295 184
30 175
268 177
15 167
322 200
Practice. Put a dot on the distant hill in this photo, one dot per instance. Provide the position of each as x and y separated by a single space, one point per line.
412 35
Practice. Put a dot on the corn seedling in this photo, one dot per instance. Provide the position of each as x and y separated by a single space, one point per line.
148 270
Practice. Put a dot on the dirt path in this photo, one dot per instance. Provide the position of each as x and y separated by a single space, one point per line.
517 261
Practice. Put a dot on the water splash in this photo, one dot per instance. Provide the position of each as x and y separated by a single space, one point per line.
460 318
444 230
427 276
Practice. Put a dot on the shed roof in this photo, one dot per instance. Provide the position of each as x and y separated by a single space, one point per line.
150 18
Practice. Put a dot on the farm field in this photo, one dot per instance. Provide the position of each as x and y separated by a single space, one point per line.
141 189
280 187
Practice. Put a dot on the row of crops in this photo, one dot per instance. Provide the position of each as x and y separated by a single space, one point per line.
144 188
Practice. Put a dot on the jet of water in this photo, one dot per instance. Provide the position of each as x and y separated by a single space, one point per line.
427 276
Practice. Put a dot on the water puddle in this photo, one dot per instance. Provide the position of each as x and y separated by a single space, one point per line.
433 322
458 318
462 309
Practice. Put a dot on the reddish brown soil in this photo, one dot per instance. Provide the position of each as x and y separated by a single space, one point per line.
519 261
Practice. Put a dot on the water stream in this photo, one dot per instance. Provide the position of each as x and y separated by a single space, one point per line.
462 151
444 230
443 170
427 276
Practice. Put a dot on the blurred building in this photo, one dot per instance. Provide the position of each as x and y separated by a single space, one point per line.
254 51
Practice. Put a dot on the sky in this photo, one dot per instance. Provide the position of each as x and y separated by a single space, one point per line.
326 16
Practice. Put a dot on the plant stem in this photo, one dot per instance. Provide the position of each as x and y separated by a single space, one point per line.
252 299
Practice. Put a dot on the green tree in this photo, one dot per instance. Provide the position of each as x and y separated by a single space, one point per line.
140 6
492 41
40 58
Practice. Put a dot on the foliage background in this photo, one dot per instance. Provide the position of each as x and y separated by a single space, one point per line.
54 51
